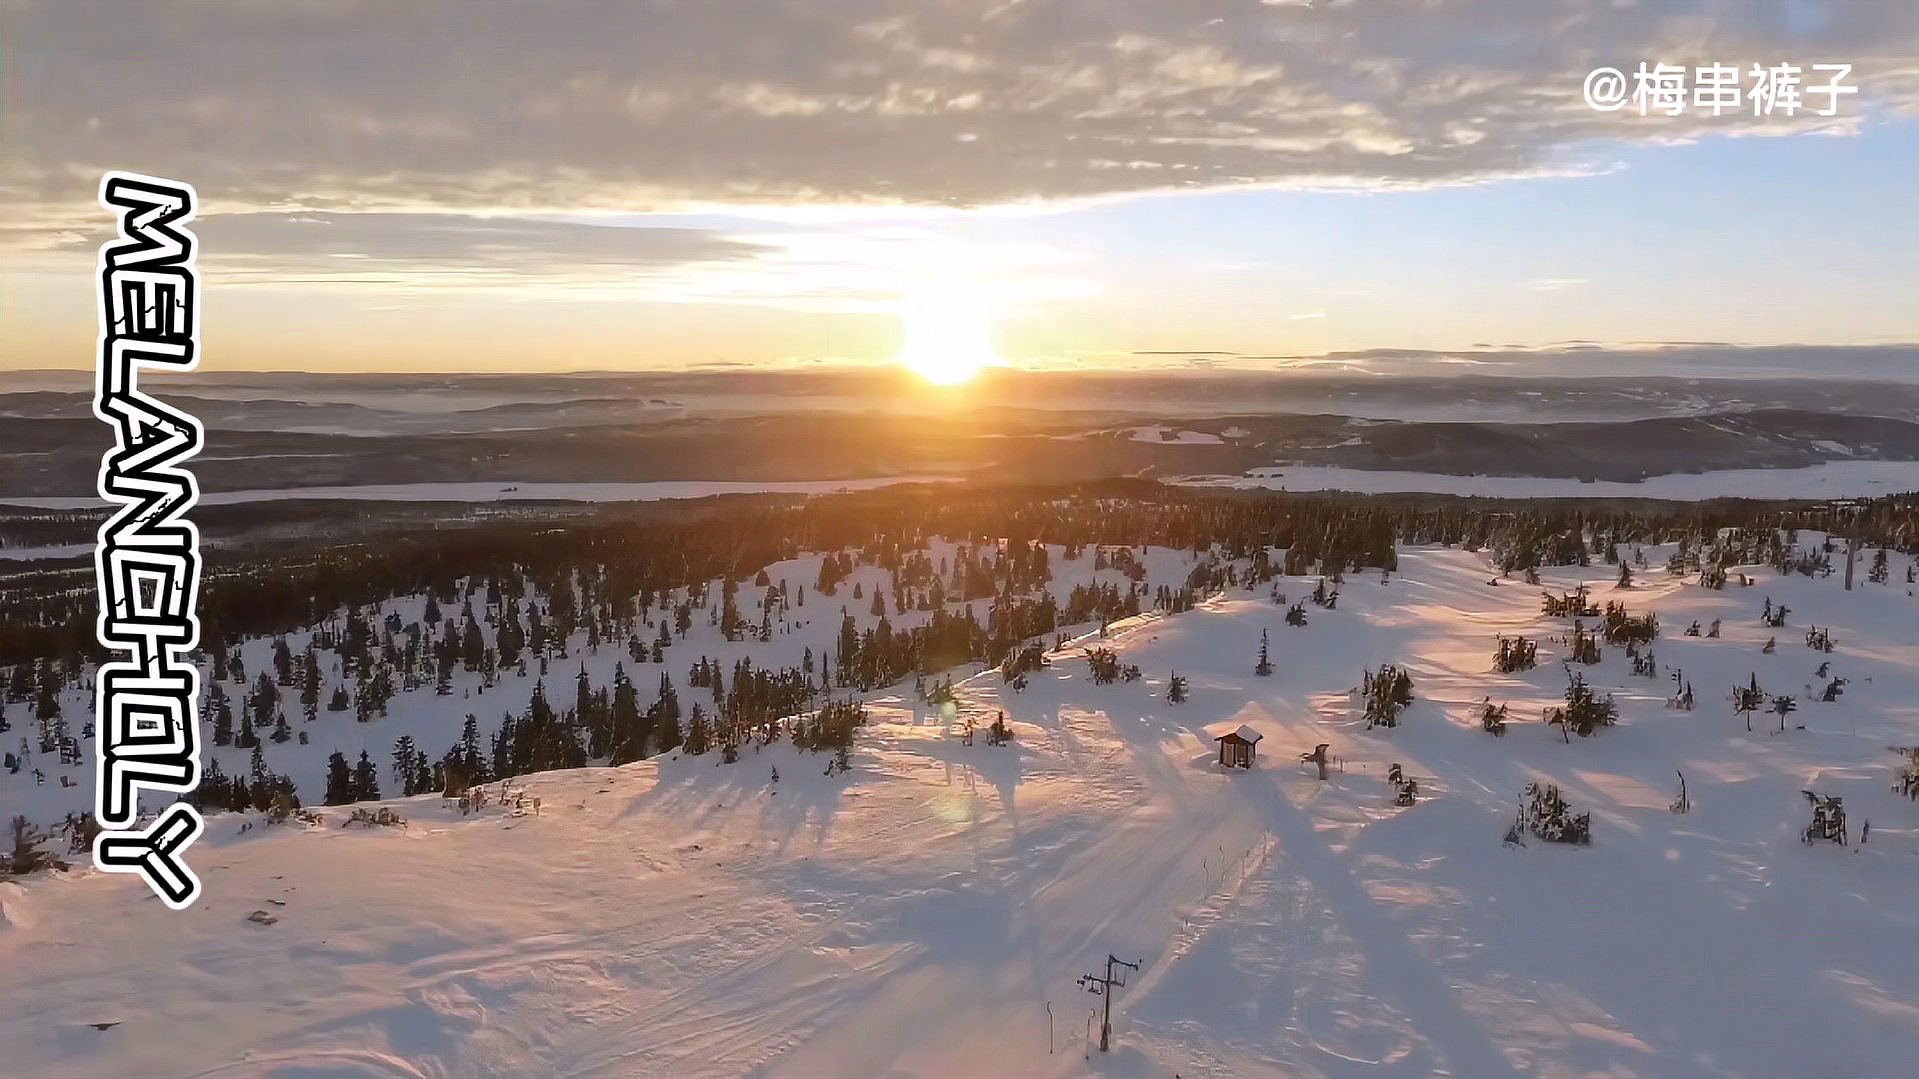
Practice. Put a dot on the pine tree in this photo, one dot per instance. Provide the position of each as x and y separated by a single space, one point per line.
25 855
222 716
477 772
404 770
849 649
472 646
1264 667
698 737
47 706
1782 706
629 729
508 636
244 736
282 662
339 780
1585 712
310 683
1748 699
1001 732
266 698
366 779
1515 654
1387 694
464 765
665 714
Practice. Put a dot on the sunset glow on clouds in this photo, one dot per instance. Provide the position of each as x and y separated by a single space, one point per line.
678 183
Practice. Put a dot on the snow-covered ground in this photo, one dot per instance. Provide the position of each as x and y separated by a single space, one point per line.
1162 435
929 912
505 492
1834 479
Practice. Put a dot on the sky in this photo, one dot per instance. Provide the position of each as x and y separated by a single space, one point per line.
518 187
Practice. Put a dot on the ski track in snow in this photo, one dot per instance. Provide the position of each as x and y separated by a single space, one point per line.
917 916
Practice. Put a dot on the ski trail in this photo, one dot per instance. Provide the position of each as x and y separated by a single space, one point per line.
1214 907
1430 1003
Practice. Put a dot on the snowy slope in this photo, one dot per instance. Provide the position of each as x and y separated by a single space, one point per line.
921 915
434 722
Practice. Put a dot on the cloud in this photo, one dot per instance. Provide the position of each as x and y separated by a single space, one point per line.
647 106
334 248
401 147
629 258
438 251
1891 362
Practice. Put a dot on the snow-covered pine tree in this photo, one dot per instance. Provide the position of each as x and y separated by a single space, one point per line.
1387 693
1585 711
1515 654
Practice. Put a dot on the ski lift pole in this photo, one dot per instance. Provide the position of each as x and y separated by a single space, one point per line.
1103 987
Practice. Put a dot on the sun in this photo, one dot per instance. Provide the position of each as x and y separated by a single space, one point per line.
948 338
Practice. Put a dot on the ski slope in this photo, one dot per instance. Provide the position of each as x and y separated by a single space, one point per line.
925 913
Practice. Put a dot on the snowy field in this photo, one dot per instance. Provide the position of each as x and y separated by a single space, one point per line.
929 912
1834 479
1169 436
1837 479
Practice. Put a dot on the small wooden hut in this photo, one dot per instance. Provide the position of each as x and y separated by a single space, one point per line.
1237 746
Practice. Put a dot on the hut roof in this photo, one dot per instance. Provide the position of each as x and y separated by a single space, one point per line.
1242 733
